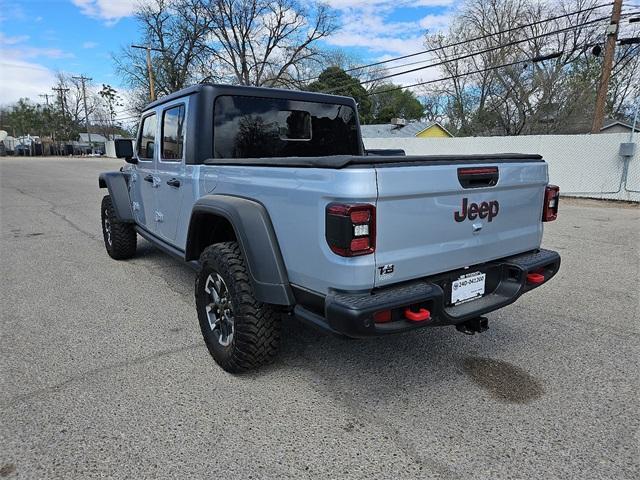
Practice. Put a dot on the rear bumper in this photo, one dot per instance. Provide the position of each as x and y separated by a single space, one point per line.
351 314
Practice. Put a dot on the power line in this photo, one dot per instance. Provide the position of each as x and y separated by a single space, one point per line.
462 42
488 69
531 60
472 54
417 62
83 79
572 27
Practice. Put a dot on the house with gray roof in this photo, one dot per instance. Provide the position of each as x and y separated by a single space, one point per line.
400 128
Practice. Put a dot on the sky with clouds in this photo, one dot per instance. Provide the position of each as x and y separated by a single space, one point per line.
38 38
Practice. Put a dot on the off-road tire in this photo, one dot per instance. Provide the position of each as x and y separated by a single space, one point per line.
120 242
256 335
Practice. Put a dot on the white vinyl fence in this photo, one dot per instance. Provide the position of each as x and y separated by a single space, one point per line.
582 165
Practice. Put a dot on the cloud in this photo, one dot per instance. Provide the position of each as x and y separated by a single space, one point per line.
4 40
14 48
10 11
434 23
108 10
343 4
377 43
20 76
24 79
372 25
89 45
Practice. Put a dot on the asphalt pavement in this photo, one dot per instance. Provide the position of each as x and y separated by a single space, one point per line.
103 371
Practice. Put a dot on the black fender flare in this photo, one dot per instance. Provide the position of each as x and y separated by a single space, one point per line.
118 185
258 242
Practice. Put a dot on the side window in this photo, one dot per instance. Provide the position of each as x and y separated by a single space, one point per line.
146 143
173 133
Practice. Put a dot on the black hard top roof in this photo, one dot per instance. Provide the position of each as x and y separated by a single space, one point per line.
280 93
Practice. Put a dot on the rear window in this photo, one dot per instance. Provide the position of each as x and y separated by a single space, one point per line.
254 127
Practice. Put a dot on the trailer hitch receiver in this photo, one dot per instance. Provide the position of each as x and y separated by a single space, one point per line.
473 326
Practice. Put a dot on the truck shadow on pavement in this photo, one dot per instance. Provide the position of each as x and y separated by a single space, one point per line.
390 366
420 360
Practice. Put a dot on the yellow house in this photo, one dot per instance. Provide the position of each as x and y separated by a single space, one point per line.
435 130
402 128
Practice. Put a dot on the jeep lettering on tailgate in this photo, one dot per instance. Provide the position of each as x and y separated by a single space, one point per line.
486 210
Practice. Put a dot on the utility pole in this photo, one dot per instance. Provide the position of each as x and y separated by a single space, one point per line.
607 63
635 120
82 78
61 91
46 99
152 90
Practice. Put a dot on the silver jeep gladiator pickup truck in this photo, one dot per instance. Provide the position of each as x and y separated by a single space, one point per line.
271 197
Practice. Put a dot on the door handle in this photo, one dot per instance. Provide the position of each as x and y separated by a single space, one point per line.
174 182
148 178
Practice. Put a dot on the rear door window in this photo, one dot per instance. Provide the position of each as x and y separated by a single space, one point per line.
173 133
147 140
254 127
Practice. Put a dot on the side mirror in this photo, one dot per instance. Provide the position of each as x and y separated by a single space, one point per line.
124 149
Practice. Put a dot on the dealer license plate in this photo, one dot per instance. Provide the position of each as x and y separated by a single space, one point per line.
468 287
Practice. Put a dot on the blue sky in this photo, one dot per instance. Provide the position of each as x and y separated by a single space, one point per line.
38 38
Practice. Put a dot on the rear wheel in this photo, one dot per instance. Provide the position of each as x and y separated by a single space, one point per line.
119 237
240 332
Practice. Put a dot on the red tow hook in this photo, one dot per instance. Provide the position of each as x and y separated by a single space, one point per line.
419 316
535 278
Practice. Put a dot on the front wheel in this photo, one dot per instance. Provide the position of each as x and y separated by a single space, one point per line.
240 332
119 237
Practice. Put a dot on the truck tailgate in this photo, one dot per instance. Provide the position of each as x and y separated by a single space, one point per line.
420 234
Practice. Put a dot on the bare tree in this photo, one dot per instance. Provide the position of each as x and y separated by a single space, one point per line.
69 104
267 42
547 96
73 97
181 29
247 42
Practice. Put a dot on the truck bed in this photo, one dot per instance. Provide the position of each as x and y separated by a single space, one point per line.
416 200
346 161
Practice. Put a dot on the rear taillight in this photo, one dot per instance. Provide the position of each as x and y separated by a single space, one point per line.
351 229
550 208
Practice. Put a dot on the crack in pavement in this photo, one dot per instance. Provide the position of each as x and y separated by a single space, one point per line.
53 210
96 371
